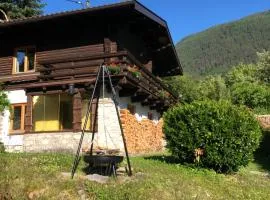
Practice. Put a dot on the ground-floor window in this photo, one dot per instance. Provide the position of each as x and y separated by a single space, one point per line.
17 118
52 112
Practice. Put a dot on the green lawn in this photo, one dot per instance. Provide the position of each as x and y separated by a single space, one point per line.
38 176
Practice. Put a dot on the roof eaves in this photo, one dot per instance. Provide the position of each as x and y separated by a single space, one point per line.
174 50
66 13
147 12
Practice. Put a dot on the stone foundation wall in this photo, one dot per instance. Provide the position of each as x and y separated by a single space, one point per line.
264 121
55 142
14 148
143 136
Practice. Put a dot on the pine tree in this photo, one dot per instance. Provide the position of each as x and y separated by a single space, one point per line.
21 8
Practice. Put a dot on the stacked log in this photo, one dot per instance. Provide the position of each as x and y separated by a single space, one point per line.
142 136
264 121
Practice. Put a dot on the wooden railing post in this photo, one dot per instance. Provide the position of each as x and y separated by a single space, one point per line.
77 112
28 124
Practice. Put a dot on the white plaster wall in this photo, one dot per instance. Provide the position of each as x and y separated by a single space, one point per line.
11 142
17 96
141 111
109 133
108 136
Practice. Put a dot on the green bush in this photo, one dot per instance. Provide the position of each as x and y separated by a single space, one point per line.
185 87
242 73
252 95
264 66
213 88
114 70
227 134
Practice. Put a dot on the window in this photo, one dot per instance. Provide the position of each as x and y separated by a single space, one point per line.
17 118
52 112
24 60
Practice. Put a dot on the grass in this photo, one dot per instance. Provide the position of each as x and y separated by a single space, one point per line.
38 176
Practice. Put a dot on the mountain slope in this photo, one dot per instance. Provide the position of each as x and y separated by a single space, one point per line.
217 49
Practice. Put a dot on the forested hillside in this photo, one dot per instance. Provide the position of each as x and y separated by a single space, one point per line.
217 49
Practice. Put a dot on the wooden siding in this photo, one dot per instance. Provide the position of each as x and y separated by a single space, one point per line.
6 64
67 69
74 52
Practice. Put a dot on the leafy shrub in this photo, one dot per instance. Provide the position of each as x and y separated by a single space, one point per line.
186 87
136 74
214 88
227 135
114 70
190 89
2 147
4 102
264 66
252 95
242 73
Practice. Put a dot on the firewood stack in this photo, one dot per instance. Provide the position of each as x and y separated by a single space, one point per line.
264 121
142 136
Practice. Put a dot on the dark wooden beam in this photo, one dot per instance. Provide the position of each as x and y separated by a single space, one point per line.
28 124
42 92
66 73
77 112
56 83
21 77
83 58
70 65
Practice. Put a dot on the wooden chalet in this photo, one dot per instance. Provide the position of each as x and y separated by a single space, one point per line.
48 65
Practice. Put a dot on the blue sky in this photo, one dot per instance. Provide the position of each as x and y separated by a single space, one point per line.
184 17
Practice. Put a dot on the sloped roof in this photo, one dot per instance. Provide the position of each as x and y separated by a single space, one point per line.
133 4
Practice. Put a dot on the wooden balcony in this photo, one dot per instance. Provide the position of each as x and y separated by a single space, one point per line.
133 79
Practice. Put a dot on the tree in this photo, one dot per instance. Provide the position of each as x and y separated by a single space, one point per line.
214 88
21 8
264 66
242 73
253 95
185 87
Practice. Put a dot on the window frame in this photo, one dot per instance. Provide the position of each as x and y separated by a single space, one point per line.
26 60
11 121
61 129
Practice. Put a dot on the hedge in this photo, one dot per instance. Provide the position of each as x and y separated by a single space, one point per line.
216 135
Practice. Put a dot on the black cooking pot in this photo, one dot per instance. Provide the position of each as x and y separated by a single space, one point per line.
102 159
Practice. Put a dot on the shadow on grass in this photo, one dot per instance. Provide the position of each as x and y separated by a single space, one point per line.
262 155
163 158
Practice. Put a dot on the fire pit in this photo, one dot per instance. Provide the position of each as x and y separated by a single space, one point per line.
103 164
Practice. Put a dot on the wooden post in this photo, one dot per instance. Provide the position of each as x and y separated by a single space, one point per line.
94 120
94 114
107 48
77 112
28 125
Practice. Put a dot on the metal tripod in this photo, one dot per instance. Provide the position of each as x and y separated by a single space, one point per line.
102 71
